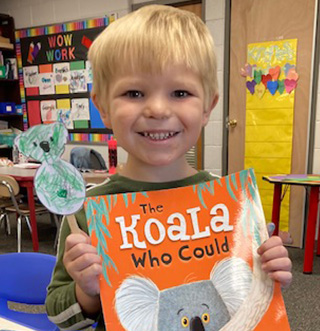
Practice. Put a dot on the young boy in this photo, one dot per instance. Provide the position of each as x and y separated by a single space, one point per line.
155 85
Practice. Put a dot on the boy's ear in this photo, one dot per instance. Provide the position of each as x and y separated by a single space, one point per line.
207 112
103 112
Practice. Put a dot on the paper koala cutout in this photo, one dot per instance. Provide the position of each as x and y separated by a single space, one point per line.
59 185
200 306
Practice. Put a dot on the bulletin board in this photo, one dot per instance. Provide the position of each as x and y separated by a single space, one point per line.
56 78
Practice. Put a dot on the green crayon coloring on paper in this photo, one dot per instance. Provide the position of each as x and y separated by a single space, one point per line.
59 185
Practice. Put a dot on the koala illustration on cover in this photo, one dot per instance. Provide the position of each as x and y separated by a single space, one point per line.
206 305
59 186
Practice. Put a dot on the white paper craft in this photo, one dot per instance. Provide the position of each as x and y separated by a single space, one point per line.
78 83
30 76
46 83
61 73
58 184
48 110
80 109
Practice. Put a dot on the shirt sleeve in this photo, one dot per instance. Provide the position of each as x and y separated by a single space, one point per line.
61 303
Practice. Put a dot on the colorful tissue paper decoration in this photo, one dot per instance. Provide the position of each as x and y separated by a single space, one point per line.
273 80
269 115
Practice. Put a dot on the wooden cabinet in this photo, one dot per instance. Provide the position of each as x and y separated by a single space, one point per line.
9 82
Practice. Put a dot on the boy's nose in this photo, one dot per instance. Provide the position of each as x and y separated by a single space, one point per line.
157 108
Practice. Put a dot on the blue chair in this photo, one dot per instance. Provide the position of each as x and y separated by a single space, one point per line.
24 278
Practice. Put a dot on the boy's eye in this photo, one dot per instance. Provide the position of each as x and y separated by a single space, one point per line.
180 94
134 94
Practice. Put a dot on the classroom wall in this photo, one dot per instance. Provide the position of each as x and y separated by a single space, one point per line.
28 13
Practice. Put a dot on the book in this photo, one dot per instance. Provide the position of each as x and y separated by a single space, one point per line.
6 45
4 125
6 131
11 68
185 258
4 40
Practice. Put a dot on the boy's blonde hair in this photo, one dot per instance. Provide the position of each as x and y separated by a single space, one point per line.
150 39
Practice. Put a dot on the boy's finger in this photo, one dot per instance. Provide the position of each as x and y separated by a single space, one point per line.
270 243
86 261
274 253
283 277
74 239
281 264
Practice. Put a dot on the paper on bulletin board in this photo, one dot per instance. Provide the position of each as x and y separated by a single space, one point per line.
191 253
30 76
62 89
46 83
48 110
61 73
80 109
34 112
89 76
45 68
77 65
64 114
78 83
271 83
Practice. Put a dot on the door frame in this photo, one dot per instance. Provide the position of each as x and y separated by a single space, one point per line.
226 82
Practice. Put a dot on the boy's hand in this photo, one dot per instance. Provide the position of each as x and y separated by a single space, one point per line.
83 263
275 261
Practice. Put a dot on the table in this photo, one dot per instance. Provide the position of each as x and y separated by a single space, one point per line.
8 325
312 181
25 178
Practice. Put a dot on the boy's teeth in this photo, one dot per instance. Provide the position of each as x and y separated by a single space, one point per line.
158 136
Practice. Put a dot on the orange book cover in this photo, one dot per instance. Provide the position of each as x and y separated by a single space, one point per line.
185 258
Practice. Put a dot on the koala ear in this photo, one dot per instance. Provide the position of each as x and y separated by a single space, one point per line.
137 304
61 130
20 141
232 277
17 140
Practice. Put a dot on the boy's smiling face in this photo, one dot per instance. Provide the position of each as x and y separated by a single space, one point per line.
157 118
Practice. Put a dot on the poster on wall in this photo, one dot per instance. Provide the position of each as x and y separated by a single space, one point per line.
271 80
53 65
30 77
191 258
48 111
